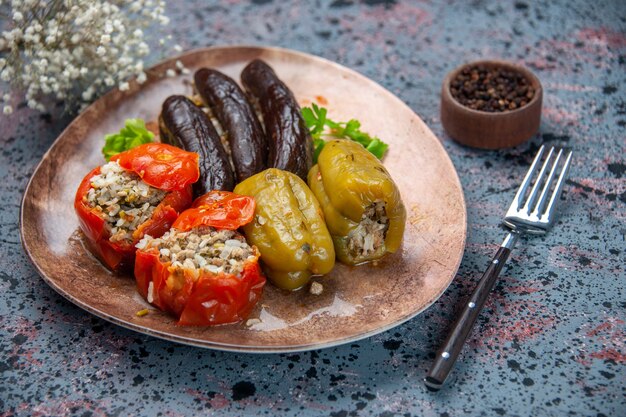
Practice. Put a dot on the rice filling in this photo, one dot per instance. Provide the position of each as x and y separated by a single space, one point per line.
202 249
368 237
123 199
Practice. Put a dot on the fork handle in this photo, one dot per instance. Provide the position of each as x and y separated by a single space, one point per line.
449 352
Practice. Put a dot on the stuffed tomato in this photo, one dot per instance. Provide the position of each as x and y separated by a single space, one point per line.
202 270
139 192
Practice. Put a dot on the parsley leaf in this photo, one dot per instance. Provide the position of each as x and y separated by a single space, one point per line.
133 134
320 125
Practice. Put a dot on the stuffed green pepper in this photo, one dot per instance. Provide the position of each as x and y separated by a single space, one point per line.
288 228
361 203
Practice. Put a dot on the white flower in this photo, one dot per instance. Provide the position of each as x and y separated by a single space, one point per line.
80 49
88 94
13 35
143 49
178 48
7 109
6 73
170 73
141 78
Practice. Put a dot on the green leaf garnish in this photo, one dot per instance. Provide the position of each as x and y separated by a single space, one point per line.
133 134
318 145
320 125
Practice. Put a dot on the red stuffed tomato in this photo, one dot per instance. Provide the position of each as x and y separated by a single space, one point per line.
202 270
162 166
116 207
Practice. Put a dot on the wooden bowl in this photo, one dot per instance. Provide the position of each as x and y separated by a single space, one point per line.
487 130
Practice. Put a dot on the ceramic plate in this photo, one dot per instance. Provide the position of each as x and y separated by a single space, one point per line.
356 302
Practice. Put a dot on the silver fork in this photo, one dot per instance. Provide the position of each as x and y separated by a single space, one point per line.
530 213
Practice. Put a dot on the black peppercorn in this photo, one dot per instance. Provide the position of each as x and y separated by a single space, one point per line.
492 89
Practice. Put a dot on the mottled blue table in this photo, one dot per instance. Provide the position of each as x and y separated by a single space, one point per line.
551 341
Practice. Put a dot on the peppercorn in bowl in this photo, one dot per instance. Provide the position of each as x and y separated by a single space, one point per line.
491 104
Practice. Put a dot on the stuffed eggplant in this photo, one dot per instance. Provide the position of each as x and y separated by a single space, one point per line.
361 203
290 144
183 124
288 228
202 270
139 192
237 118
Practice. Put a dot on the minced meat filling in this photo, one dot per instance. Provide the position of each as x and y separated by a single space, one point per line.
124 200
369 236
202 248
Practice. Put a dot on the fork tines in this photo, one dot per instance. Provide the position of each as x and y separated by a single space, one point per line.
546 176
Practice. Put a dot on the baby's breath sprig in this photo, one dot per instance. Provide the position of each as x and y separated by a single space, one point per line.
74 50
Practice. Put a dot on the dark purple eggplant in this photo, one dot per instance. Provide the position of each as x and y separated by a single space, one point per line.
228 103
185 125
290 143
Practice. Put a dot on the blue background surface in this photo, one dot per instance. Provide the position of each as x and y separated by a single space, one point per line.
551 340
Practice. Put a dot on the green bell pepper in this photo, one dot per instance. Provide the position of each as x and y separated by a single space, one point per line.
361 203
288 228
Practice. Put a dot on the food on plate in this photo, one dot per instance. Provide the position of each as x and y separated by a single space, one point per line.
185 125
189 259
202 270
361 203
139 192
133 134
320 125
288 228
161 165
220 209
290 144
237 118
